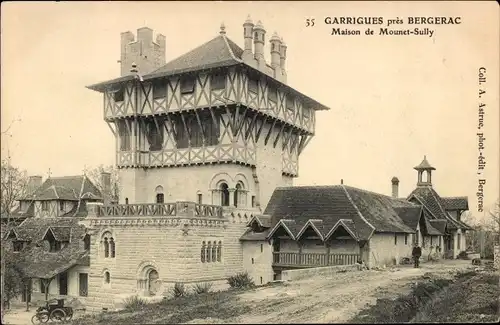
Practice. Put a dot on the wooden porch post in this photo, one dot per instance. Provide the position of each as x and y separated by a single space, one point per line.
300 243
327 245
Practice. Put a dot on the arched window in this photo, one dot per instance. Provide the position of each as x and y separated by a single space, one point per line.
224 189
108 243
203 256
209 252
237 193
126 200
112 247
219 252
153 283
107 277
160 197
214 252
106 247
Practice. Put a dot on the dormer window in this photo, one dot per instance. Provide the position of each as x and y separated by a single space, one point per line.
55 246
187 85
57 237
119 95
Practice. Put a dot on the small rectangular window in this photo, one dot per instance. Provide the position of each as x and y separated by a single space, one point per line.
289 103
45 205
83 284
200 198
159 89
253 201
395 239
406 239
272 94
61 206
261 248
306 112
187 85
253 85
218 81
119 95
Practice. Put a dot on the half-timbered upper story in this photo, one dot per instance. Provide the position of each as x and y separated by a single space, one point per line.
216 95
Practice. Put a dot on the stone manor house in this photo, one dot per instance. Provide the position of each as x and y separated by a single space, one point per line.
207 147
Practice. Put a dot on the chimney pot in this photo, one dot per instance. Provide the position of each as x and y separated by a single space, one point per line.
395 187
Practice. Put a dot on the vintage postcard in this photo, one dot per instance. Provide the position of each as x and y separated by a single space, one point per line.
250 162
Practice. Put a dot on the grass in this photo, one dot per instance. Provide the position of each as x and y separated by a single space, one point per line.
413 306
481 304
219 305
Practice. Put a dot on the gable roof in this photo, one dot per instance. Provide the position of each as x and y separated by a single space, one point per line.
366 211
439 224
410 215
220 52
36 261
455 203
428 197
69 188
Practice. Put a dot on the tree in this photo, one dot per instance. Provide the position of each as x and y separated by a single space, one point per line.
14 185
95 176
493 221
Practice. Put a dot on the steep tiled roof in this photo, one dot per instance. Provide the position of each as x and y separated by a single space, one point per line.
213 54
367 211
439 224
410 215
36 260
428 197
70 188
220 52
455 203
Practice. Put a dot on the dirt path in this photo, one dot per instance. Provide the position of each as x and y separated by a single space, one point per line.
333 299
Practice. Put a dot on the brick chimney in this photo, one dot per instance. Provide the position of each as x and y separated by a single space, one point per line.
259 33
34 182
106 187
395 187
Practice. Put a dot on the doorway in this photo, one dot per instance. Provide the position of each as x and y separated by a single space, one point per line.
63 283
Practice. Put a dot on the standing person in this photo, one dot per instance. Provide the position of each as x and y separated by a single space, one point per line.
416 253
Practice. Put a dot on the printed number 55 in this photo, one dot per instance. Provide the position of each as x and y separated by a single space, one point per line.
310 22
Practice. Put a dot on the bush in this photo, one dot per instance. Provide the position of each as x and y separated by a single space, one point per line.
200 288
240 280
179 290
134 303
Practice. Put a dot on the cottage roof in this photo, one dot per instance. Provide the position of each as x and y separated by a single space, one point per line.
36 260
69 188
439 224
428 197
455 203
410 215
220 52
366 211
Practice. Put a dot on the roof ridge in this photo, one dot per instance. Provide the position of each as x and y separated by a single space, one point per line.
224 37
357 209
438 200
372 192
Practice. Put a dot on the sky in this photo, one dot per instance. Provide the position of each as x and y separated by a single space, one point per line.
393 99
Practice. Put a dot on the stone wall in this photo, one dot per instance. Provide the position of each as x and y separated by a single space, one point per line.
257 261
172 246
385 250
290 275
